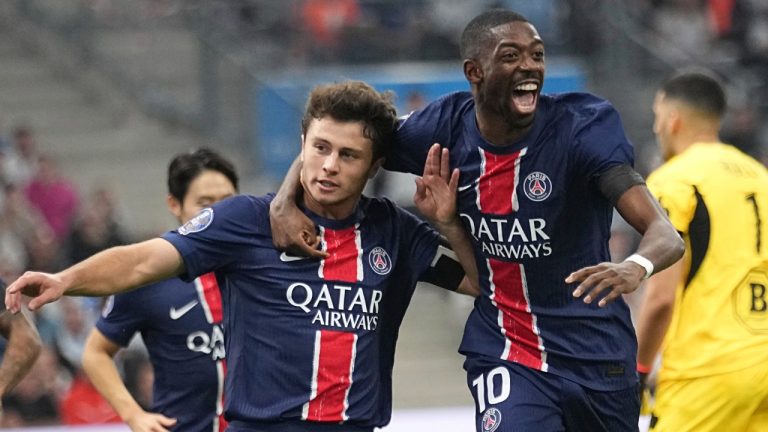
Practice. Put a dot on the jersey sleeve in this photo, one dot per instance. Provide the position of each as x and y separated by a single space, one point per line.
676 197
122 317
419 243
213 240
599 139
417 131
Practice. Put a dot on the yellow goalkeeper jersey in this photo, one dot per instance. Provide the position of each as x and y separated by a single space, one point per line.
717 198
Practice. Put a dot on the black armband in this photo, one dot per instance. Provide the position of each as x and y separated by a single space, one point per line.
445 270
617 180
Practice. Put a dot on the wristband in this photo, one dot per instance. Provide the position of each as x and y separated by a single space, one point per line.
642 262
643 369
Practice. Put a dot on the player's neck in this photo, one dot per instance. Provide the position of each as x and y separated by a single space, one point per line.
499 131
336 211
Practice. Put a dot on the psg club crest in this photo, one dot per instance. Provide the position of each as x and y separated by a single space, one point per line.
198 223
379 261
537 186
491 420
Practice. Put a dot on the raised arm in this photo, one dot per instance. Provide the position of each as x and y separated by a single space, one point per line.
292 230
435 198
111 271
660 247
99 365
21 349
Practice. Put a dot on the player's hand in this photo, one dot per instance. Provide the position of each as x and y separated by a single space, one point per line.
149 422
616 278
435 195
293 231
44 287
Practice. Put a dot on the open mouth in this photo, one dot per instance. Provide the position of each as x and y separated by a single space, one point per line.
524 97
326 185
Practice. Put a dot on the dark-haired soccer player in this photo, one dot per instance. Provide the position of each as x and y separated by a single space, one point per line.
180 322
310 342
710 309
540 177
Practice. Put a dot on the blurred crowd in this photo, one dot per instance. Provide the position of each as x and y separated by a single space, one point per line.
45 224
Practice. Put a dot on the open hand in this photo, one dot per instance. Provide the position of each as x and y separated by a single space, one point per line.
618 279
435 195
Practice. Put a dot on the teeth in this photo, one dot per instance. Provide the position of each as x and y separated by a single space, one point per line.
527 87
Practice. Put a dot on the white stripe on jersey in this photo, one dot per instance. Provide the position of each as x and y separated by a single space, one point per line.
359 246
203 301
344 415
315 367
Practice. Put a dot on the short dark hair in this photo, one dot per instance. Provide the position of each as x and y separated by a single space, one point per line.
476 34
699 90
353 101
185 167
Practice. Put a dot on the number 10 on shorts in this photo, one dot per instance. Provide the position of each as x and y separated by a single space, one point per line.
492 387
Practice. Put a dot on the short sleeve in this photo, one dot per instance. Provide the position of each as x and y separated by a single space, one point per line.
676 197
419 243
216 238
122 317
599 139
417 131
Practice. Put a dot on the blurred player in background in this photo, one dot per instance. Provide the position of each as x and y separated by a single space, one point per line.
310 342
710 310
540 177
180 322
22 346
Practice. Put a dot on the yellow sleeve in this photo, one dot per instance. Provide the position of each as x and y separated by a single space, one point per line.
677 197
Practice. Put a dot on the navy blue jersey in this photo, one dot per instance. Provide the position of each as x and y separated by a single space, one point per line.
535 215
309 340
180 323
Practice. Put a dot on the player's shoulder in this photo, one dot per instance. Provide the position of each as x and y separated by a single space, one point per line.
245 207
384 210
579 109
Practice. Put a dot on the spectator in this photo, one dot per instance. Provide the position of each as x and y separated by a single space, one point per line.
55 196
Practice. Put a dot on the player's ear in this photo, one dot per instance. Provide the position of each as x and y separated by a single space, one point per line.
174 206
375 166
473 71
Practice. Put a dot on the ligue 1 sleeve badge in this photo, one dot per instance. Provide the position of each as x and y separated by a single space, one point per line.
198 223
491 420
537 186
379 261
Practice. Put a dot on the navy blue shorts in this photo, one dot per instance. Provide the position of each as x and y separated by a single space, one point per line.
513 398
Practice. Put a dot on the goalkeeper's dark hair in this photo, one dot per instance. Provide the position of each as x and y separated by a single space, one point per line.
186 167
699 90
355 101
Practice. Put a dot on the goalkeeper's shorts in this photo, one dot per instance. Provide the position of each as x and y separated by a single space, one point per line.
736 401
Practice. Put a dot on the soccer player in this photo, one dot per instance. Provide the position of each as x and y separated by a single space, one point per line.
709 309
22 347
180 322
540 176
310 342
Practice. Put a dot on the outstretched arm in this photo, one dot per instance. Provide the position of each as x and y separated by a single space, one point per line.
292 230
21 350
661 246
99 365
435 198
111 271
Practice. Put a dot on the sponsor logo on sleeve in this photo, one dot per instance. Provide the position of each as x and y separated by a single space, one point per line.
198 223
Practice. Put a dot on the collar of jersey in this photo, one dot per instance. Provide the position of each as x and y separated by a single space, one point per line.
539 121
356 216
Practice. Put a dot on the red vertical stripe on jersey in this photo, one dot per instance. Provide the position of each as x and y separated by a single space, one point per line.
332 376
344 255
220 424
210 295
498 181
518 324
